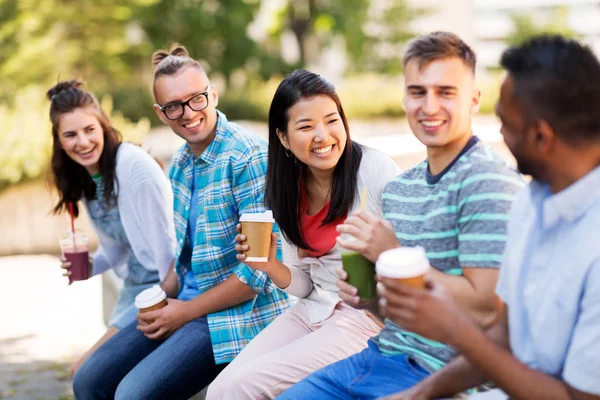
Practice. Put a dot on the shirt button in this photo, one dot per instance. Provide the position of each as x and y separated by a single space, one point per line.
180 240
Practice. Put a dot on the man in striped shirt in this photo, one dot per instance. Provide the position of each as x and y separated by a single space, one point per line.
455 204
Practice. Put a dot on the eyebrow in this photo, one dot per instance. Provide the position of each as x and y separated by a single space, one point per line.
443 87
308 119
185 98
65 132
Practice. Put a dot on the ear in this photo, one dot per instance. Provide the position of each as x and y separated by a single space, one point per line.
214 95
475 101
543 136
283 139
160 114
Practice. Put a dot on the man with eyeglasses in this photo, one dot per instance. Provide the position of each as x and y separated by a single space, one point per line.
216 304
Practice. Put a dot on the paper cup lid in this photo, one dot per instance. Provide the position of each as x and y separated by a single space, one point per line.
403 262
150 297
266 216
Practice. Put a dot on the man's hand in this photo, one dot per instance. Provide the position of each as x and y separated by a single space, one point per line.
241 247
162 323
414 393
430 312
373 235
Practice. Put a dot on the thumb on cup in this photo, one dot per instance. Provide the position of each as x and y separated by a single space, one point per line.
273 249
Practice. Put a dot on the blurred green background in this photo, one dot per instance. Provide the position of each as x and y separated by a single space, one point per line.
246 47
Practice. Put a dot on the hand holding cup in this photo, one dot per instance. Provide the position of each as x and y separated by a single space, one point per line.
66 265
256 242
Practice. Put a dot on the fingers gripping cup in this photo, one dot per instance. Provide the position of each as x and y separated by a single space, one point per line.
257 228
151 299
74 247
407 265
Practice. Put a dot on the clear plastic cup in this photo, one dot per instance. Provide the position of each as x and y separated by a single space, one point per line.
75 249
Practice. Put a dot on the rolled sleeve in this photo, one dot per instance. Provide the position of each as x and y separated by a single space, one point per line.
582 363
257 280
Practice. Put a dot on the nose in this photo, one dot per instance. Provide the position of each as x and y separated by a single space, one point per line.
432 105
321 133
82 139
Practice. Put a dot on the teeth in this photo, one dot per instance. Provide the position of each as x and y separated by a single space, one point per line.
323 150
86 153
432 124
193 124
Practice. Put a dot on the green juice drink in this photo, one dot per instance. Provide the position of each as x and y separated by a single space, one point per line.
361 274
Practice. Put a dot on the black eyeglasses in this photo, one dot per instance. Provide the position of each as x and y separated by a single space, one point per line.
197 102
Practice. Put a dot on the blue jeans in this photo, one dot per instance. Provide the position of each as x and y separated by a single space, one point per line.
366 375
131 366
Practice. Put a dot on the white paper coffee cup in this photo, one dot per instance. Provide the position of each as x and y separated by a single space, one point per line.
405 264
151 299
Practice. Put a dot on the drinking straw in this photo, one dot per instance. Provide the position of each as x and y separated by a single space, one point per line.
363 199
72 213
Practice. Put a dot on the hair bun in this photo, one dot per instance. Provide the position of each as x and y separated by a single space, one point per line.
64 86
176 50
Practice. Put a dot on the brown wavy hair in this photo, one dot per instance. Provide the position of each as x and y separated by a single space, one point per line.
71 180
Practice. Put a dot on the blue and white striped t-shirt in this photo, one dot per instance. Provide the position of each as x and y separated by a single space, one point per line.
459 216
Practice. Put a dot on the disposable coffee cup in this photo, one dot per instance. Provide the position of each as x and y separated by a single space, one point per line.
361 272
257 228
151 299
407 265
74 247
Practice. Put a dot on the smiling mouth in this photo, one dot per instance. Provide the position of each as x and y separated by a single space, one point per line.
323 150
86 153
192 124
432 124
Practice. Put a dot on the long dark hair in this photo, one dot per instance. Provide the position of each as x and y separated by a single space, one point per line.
284 173
72 180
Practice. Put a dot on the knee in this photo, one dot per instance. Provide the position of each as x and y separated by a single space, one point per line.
87 382
218 387
232 386
130 389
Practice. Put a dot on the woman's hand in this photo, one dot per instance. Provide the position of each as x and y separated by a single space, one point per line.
348 293
66 265
241 248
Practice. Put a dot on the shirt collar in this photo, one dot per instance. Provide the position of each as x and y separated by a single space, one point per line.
211 152
570 203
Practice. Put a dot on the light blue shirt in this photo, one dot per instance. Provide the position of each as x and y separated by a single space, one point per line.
190 288
550 281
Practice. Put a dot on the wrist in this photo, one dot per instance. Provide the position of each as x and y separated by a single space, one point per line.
462 336
190 310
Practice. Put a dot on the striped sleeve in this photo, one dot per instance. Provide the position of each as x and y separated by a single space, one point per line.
484 202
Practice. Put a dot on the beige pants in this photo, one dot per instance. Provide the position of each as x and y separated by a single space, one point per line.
289 349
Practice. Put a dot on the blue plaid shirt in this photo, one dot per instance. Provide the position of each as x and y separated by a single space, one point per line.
231 176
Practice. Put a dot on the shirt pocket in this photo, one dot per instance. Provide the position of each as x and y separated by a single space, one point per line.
554 315
220 222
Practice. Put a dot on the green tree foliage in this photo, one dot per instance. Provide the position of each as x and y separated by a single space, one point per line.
42 40
213 31
554 21
373 31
